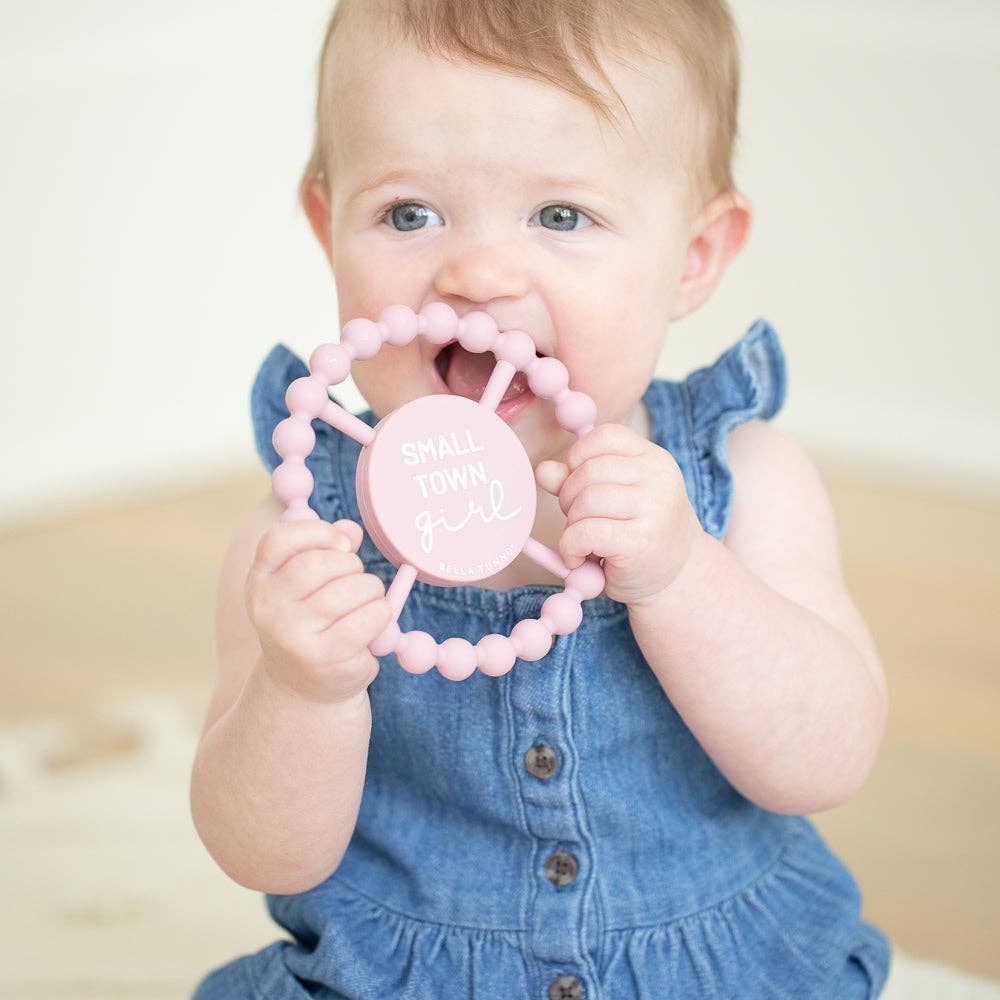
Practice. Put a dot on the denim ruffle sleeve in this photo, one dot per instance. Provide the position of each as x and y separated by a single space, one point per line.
747 381
267 408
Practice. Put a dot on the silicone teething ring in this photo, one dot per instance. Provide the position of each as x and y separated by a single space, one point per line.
422 434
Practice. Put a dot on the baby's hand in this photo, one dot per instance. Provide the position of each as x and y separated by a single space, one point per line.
315 609
624 499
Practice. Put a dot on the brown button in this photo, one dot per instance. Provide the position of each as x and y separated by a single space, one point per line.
541 761
561 868
565 988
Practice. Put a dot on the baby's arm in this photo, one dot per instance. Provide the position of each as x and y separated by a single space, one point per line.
277 780
758 644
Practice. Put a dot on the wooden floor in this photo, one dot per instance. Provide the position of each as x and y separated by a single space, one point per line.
120 600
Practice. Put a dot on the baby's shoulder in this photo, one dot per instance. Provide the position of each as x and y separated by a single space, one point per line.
781 510
768 463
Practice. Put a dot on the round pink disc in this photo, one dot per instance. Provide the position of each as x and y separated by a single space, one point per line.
447 487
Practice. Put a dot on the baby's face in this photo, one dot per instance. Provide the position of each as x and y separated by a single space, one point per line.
483 190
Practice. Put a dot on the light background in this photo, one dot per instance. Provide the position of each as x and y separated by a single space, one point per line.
152 249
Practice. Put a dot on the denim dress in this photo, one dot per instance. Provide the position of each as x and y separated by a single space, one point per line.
557 833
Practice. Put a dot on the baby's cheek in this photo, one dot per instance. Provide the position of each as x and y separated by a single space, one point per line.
616 394
389 379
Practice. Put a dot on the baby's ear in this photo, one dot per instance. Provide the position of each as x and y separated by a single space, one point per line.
315 198
719 234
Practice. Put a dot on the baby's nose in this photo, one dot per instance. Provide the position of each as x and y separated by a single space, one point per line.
483 273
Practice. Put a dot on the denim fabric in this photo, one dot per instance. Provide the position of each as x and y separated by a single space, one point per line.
683 887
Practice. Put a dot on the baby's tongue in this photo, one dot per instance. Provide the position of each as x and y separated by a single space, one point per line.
468 374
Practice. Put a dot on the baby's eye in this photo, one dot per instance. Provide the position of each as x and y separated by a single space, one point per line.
408 216
562 217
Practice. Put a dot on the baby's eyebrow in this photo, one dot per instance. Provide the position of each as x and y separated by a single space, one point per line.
382 180
544 180
566 181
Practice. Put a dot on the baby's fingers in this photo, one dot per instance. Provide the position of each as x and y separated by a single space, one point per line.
602 471
287 538
550 475
334 663
348 637
306 572
605 500
340 597
600 536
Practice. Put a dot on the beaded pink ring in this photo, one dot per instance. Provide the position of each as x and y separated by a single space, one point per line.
432 434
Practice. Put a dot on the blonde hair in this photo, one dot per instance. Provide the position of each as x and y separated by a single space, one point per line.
544 38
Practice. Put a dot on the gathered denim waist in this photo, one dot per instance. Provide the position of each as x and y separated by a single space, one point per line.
489 878
653 895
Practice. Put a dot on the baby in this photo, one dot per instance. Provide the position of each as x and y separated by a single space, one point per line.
622 816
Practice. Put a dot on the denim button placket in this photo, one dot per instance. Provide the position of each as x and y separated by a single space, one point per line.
559 902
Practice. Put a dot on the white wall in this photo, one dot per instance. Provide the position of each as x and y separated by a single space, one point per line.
152 250
870 149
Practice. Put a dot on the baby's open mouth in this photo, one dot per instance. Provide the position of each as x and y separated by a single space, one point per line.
466 374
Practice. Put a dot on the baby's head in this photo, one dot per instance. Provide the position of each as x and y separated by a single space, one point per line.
563 165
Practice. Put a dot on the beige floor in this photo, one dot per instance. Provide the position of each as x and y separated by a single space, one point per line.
117 603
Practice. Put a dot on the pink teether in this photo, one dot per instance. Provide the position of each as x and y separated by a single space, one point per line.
445 488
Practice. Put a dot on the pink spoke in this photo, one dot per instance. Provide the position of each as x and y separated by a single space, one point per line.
545 557
400 588
497 385
336 416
